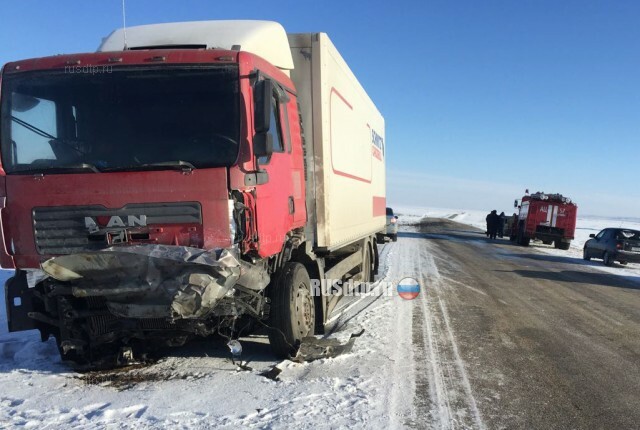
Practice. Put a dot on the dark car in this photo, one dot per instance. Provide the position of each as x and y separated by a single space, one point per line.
614 244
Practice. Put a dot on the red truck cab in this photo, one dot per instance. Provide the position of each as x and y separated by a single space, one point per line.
142 126
143 147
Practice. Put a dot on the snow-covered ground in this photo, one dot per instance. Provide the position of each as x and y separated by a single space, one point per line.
585 226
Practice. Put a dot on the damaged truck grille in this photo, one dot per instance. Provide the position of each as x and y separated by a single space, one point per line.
71 229
103 324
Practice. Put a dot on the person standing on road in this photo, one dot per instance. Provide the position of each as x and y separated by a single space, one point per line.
493 220
501 222
511 222
487 219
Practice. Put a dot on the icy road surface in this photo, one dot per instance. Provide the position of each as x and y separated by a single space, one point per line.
500 337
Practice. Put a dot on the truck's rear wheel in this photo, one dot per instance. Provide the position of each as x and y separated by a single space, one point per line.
367 266
521 239
292 310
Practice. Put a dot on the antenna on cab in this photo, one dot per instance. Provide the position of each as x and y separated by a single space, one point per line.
124 24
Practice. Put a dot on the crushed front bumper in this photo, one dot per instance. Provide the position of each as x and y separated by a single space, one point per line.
150 281
139 281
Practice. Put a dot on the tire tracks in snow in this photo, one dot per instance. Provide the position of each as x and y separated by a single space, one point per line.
444 398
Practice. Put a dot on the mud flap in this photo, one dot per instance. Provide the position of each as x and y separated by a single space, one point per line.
19 301
313 348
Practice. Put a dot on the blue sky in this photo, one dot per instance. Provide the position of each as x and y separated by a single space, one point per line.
482 99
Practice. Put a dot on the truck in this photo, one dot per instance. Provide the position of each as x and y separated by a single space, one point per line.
550 218
186 179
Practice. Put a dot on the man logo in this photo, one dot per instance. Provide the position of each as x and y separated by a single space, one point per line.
95 224
408 288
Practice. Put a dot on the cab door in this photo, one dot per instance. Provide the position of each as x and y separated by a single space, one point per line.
275 205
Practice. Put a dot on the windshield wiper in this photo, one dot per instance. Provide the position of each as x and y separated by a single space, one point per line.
184 166
59 169
177 164
42 133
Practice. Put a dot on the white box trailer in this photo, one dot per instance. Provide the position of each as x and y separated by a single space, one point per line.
344 137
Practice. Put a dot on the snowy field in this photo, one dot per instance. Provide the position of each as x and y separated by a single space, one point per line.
585 226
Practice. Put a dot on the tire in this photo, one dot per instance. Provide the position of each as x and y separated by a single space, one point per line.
521 239
366 272
366 266
607 259
376 260
292 315
394 237
585 254
564 246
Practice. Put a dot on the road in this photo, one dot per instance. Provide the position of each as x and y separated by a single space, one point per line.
510 337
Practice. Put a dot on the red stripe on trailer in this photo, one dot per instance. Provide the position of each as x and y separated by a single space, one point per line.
379 206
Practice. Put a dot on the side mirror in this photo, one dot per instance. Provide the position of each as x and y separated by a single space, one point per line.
592 235
515 203
263 144
262 94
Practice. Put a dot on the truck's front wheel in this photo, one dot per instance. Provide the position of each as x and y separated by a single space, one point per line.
292 310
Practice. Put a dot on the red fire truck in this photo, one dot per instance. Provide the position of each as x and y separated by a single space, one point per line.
550 218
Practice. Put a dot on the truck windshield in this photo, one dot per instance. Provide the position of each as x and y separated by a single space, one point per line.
126 119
